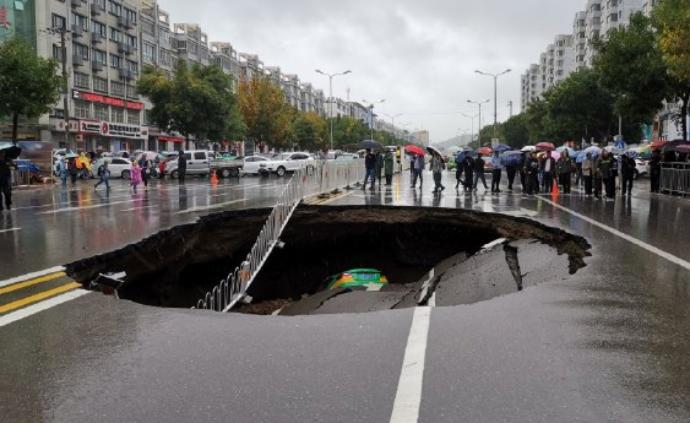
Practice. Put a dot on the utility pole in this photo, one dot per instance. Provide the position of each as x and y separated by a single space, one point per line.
472 119
479 130
65 81
510 106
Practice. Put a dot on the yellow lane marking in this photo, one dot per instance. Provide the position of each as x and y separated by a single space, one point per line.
32 282
38 297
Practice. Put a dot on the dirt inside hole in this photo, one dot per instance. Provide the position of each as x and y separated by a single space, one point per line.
177 267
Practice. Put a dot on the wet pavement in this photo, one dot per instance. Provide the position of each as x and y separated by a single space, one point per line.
610 343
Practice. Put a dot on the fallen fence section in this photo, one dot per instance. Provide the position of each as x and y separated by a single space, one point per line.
319 178
675 178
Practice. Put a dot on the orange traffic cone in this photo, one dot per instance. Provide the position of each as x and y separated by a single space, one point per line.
555 192
214 178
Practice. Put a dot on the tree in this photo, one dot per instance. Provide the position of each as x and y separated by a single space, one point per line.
672 21
631 68
348 132
265 112
309 131
515 131
196 101
29 85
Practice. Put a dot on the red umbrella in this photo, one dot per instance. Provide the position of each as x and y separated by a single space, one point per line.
545 146
415 149
485 151
655 145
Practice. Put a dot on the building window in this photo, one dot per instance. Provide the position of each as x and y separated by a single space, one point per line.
115 61
132 91
58 21
81 109
117 89
81 80
118 115
133 117
100 3
132 41
81 21
148 27
116 35
100 84
165 58
57 52
147 118
131 15
149 52
81 50
99 28
133 66
114 7
100 56
101 112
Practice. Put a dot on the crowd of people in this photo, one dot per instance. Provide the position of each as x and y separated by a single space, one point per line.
377 164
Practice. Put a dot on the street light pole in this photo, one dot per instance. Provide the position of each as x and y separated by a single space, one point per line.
495 77
479 127
371 114
330 94
62 32
472 119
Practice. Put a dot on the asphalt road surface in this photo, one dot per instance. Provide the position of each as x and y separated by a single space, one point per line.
609 344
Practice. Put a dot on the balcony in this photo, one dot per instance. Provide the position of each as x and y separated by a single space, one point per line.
77 60
126 74
76 3
96 66
124 48
77 31
97 38
96 9
124 22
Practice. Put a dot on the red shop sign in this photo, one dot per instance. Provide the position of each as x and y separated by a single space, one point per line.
104 99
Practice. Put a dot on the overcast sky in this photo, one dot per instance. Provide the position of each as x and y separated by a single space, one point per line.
419 56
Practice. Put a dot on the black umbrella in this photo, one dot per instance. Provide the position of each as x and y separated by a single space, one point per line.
11 152
370 145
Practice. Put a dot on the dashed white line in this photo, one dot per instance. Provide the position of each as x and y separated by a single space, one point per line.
2 231
43 305
408 397
210 207
670 257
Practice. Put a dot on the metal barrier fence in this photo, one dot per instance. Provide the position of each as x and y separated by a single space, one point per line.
675 178
322 177
20 178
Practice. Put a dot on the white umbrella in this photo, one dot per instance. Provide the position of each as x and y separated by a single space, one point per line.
528 149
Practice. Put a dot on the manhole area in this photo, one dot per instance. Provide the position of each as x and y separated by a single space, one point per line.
454 256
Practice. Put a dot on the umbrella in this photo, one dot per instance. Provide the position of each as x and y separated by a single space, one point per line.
485 151
415 149
370 145
511 158
655 145
614 149
11 152
683 148
502 147
462 155
571 151
632 154
554 154
596 151
546 146
433 150
528 149
71 155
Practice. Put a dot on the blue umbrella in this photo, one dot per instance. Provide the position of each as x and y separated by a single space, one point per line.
512 158
571 151
502 148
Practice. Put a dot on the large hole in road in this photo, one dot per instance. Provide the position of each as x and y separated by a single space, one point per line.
454 256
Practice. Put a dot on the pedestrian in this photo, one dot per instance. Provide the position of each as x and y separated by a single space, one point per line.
588 173
379 167
531 168
419 166
479 173
512 170
135 175
72 169
548 167
496 173
104 176
437 166
605 167
564 168
388 164
628 167
655 171
181 167
370 169
144 165
578 174
459 168
62 170
468 168
5 182
523 172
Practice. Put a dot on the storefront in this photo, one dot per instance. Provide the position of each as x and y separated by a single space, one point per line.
102 136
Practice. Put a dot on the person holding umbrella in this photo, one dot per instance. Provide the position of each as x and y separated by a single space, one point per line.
548 168
5 181
564 168
655 171
628 172
437 166
479 173
388 164
370 169
379 167
496 172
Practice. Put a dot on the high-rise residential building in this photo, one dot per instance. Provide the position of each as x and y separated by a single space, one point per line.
580 40
103 63
191 44
225 56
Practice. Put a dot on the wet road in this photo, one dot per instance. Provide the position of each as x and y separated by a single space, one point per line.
54 226
609 344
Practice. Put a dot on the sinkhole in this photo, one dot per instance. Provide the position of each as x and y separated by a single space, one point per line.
451 256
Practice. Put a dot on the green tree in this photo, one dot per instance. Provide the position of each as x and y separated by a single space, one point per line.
672 21
265 112
631 68
348 132
309 131
195 102
515 131
29 85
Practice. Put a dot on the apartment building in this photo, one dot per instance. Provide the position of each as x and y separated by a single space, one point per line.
225 56
103 64
580 40
191 44
292 90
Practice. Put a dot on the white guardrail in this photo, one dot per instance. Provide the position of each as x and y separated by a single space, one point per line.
321 178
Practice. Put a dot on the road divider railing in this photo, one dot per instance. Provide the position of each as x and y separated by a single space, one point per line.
320 178
675 178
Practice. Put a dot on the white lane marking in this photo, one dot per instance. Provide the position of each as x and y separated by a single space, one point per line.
408 397
43 305
661 253
2 231
95 206
140 208
211 207
32 275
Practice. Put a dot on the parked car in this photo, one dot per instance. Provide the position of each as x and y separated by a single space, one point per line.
226 166
287 162
198 163
119 167
251 164
347 157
